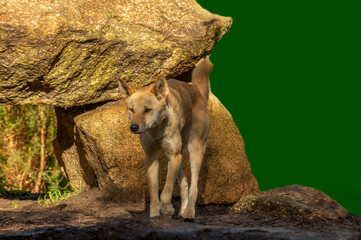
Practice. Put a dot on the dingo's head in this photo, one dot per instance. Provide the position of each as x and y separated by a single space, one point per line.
147 106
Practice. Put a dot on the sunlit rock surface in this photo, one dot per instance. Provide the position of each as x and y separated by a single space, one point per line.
67 53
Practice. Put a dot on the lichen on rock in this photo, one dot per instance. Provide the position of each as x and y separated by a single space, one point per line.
68 53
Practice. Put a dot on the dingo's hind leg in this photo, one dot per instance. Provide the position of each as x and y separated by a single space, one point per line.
196 152
183 185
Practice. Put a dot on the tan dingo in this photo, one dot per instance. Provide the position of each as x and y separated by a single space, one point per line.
172 116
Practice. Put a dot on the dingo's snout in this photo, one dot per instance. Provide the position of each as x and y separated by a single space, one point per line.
134 128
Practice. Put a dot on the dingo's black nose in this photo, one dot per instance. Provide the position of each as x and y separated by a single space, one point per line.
134 127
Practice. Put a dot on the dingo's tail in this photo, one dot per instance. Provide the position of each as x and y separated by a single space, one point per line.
200 77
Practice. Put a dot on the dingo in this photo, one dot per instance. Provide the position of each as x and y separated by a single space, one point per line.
172 116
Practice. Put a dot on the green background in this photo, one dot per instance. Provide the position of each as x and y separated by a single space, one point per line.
289 73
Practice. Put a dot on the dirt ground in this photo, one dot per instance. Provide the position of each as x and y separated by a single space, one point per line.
91 215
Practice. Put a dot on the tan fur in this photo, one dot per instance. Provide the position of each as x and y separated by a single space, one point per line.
171 116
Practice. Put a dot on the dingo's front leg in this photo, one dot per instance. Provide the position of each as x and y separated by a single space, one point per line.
196 153
166 196
183 184
152 169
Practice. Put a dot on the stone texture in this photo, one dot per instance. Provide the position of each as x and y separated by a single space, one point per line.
295 202
113 152
109 156
67 53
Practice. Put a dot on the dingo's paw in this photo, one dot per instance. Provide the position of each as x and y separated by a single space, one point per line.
154 211
154 214
181 212
167 209
189 214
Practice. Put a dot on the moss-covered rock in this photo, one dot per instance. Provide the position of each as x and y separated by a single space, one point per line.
67 53
106 154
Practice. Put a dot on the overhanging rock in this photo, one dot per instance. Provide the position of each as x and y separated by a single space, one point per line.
67 53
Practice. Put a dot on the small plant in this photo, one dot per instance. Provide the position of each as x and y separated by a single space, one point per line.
14 204
56 196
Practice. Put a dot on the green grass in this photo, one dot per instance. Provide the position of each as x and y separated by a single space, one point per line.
14 204
54 197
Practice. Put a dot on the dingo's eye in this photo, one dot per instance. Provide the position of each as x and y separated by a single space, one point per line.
131 109
147 110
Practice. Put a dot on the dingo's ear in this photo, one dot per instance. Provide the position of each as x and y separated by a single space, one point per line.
129 89
160 88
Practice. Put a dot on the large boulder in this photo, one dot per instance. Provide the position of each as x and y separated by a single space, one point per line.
104 153
292 202
67 53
